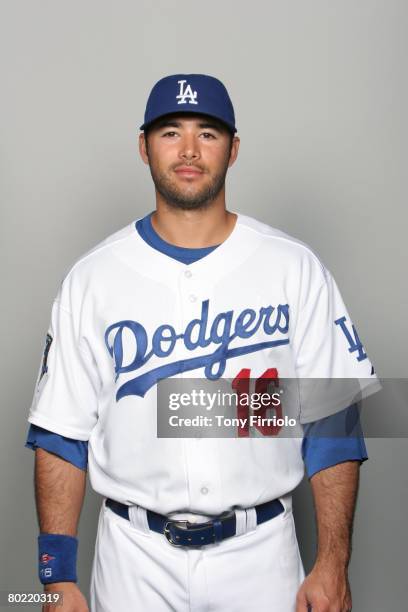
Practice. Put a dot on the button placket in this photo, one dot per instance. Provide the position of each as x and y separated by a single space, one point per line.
202 472
189 292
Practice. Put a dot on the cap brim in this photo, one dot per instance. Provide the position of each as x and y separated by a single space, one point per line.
229 127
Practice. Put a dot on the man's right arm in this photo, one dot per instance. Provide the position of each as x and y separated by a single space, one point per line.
59 495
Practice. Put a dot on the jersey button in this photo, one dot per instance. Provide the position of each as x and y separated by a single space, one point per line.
204 490
193 298
188 274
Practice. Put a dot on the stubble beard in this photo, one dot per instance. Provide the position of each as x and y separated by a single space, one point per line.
188 199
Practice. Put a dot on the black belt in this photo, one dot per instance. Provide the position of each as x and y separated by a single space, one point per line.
184 533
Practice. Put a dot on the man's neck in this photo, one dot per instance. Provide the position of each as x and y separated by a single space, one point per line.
204 227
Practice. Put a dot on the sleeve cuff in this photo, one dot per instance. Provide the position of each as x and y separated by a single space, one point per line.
74 451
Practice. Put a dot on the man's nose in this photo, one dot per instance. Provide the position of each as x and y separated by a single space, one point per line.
189 148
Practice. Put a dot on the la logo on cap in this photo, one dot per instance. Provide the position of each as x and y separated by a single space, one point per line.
185 94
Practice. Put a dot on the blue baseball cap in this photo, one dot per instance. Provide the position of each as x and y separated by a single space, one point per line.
190 93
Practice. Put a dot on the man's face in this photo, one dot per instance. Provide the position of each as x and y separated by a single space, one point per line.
188 156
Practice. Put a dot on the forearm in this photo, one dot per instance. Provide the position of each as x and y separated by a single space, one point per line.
335 494
59 493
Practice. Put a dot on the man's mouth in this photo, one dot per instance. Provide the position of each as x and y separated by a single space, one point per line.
188 171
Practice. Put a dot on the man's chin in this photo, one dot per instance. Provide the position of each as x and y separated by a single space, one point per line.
189 199
189 196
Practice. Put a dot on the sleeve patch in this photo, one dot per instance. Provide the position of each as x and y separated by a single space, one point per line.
354 342
44 366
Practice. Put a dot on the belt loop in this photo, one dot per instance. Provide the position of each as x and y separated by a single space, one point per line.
240 521
138 519
251 522
286 503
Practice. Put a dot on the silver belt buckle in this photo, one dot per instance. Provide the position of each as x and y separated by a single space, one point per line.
167 533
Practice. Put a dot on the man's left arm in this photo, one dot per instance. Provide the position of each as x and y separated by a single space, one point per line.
327 588
333 449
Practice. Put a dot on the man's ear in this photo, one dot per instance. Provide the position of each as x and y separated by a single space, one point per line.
143 148
234 150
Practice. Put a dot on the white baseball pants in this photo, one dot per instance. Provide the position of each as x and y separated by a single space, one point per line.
135 568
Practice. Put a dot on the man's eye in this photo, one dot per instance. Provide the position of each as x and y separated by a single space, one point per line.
169 134
207 134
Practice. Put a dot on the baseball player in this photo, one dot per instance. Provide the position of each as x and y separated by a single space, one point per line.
193 291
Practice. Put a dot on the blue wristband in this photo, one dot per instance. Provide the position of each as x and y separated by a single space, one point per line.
57 554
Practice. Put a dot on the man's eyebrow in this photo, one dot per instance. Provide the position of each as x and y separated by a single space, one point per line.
210 125
168 123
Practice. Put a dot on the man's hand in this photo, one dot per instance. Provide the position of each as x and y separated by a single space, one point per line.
73 600
325 589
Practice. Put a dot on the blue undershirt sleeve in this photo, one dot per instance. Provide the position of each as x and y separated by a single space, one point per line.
333 440
74 451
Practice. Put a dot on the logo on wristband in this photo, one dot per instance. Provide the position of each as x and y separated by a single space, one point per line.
45 557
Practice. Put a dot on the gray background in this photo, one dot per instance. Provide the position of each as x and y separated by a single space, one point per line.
320 98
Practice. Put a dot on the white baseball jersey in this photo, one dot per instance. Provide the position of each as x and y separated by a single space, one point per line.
127 316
